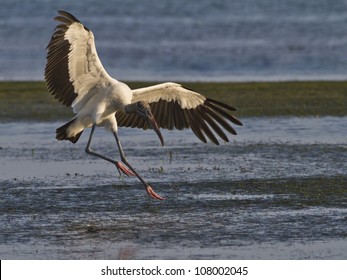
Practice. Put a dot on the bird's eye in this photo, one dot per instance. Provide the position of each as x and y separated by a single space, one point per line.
142 107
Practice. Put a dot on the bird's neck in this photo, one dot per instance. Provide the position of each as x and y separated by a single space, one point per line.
130 108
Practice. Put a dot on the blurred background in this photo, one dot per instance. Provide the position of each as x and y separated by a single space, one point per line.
206 40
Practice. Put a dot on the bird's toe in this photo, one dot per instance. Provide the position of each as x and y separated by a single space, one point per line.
124 169
153 194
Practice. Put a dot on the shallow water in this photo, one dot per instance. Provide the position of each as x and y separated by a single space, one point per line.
277 191
192 40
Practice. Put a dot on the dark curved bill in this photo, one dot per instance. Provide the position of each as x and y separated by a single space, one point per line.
153 124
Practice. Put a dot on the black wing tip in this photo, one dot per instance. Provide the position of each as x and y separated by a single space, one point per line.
237 121
221 107
221 104
68 16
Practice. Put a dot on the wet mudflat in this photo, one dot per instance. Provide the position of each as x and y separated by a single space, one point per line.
277 191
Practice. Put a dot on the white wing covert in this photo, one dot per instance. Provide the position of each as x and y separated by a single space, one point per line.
73 67
174 106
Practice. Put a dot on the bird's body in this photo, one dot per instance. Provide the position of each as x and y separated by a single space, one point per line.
100 109
76 77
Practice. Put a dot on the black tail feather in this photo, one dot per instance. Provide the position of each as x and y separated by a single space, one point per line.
62 135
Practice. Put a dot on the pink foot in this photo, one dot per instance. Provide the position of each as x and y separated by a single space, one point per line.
124 169
153 194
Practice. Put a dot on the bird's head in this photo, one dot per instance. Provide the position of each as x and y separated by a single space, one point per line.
143 109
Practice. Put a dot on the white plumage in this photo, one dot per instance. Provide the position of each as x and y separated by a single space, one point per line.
76 77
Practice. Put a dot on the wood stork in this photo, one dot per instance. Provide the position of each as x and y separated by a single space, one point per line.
75 76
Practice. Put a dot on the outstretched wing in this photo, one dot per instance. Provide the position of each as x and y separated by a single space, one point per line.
174 106
73 67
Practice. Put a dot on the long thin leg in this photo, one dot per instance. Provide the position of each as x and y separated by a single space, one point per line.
149 189
119 166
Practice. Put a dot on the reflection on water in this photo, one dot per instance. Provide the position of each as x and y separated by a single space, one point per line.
278 190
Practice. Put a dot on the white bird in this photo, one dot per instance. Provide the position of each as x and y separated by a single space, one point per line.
75 76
